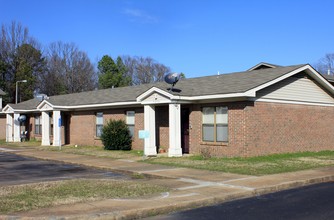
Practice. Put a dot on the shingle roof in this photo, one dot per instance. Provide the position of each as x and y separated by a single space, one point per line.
231 83
121 94
209 85
26 105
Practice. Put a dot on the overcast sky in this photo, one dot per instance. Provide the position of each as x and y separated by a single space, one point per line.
196 37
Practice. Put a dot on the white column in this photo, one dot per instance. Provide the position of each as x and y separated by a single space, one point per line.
9 128
175 149
45 129
56 128
149 125
17 135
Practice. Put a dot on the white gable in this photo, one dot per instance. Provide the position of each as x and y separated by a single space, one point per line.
297 89
156 98
45 106
8 109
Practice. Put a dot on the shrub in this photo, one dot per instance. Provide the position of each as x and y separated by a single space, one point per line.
116 136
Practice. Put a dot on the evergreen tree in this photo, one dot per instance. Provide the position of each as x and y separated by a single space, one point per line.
112 74
124 80
29 65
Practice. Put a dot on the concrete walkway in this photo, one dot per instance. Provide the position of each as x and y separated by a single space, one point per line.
190 188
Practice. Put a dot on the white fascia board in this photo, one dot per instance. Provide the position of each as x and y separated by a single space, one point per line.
59 107
218 96
156 103
25 111
287 75
154 90
292 102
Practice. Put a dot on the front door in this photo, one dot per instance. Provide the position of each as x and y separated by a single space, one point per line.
67 122
185 130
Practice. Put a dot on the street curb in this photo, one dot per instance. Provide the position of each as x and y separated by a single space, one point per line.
135 214
182 206
293 184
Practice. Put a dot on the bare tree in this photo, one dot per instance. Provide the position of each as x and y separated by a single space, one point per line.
144 69
20 58
326 64
69 70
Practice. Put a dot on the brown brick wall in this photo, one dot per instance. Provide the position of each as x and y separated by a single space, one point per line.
162 126
254 128
267 128
83 127
277 128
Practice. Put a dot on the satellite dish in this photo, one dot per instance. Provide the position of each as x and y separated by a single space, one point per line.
172 78
22 118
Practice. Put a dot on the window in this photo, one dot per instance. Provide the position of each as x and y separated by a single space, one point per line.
130 121
38 125
99 123
215 124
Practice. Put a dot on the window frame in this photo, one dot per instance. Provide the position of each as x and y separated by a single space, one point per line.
98 124
215 125
131 125
38 125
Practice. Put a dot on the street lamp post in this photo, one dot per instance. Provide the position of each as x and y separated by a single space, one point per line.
17 83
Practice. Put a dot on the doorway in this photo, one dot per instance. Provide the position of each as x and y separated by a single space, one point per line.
67 124
185 130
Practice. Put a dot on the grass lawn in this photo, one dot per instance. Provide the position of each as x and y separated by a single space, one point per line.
263 165
46 194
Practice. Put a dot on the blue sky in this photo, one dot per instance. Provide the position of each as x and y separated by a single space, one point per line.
196 37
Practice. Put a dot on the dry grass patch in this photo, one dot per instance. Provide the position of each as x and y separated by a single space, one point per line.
263 165
80 150
97 151
46 194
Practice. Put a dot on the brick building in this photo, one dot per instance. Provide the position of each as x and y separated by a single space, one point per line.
264 110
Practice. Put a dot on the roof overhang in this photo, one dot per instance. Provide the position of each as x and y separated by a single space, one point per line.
158 96
47 106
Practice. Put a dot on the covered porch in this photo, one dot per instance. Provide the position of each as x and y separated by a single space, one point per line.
16 128
156 104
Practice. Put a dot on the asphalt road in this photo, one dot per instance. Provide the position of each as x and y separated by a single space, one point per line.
15 169
311 202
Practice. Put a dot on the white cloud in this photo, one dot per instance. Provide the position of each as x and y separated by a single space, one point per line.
137 15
